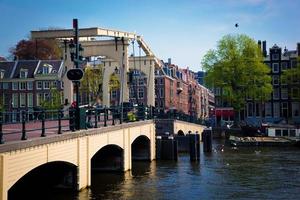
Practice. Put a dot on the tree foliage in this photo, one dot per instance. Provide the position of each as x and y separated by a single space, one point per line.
114 82
91 83
292 77
54 102
237 67
43 49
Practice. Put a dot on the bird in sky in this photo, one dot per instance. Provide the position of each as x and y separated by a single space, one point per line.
236 25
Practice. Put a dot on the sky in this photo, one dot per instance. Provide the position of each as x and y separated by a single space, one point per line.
183 30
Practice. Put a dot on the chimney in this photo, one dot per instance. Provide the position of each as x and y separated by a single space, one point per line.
169 61
265 48
259 44
298 48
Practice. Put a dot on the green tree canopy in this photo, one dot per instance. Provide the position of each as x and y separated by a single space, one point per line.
292 77
91 83
54 102
237 67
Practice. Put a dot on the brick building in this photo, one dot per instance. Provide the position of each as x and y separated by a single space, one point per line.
24 84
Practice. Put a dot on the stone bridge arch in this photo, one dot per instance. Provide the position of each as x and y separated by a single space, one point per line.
42 178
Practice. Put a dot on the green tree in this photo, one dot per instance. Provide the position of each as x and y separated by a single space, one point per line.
291 77
91 83
55 100
237 67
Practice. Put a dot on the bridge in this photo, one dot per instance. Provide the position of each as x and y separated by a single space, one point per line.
67 158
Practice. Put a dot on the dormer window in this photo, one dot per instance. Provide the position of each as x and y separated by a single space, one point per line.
2 74
23 73
47 68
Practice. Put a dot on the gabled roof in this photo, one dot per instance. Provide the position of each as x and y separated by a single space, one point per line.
7 67
30 65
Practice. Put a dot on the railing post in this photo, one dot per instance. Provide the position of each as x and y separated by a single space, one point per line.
43 124
121 114
24 137
96 118
113 118
1 131
60 112
73 118
105 116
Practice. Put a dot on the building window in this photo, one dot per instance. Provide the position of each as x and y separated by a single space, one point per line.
284 93
22 100
141 81
5 86
217 91
15 86
275 56
39 85
46 85
284 109
250 109
161 81
54 84
276 109
114 94
275 67
15 100
39 99
145 62
275 93
23 73
141 93
268 111
29 100
161 92
293 63
2 72
22 85
29 85
275 80
295 93
45 70
283 66
295 109
46 96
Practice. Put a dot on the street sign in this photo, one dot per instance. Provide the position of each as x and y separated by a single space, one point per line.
75 74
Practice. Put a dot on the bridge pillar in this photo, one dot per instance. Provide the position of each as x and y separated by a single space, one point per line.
83 169
3 186
127 150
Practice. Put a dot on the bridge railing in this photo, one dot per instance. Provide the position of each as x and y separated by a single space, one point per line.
40 123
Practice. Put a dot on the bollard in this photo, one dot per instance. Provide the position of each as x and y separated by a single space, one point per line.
24 137
158 145
193 147
43 124
1 131
207 140
60 113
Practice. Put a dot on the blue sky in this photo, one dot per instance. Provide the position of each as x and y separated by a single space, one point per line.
182 30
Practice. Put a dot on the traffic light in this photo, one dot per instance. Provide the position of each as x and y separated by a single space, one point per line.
75 74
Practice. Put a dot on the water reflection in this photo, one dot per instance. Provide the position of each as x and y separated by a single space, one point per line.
225 173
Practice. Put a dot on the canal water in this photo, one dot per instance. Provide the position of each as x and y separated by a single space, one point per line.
226 173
